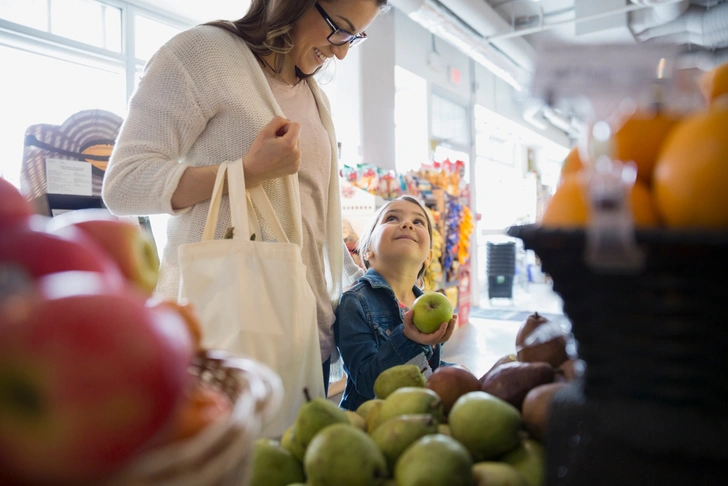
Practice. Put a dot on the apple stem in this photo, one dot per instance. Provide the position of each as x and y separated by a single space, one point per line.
306 394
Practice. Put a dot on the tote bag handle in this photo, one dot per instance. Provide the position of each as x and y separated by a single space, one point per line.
241 208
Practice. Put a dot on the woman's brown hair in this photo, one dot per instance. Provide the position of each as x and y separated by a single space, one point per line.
267 25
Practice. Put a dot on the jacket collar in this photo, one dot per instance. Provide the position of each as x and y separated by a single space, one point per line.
376 281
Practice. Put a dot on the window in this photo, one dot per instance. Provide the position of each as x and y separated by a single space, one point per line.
48 74
47 90
54 75
86 21
410 121
150 35
450 122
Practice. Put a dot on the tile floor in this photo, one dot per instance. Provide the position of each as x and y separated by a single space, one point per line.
479 343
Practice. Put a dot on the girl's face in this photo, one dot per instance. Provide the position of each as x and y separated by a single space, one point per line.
401 236
310 33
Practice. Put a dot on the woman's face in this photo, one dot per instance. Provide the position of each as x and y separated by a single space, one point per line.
310 45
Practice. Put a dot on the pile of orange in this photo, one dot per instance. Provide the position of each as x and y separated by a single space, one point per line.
682 167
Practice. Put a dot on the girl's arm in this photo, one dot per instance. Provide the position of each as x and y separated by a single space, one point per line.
357 343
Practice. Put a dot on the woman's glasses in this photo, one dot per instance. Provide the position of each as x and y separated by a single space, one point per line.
340 37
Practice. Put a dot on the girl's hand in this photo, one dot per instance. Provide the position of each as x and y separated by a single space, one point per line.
275 152
441 335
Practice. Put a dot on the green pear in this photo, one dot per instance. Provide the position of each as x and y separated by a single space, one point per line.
497 474
396 377
344 455
314 415
395 435
413 400
272 465
434 460
374 417
356 420
444 429
527 459
291 444
486 425
365 407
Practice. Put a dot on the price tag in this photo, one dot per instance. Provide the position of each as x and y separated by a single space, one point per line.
601 71
72 177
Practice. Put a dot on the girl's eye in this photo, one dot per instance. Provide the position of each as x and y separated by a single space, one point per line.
390 218
419 221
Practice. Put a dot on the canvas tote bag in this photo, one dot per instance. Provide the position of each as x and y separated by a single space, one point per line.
252 296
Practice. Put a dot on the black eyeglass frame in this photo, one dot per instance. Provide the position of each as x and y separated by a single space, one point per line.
353 40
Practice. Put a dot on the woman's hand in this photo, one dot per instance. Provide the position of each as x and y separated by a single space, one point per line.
275 152
441 335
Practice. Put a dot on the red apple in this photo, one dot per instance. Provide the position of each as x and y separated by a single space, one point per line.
13 206
39 253
86 381
131 248
450 383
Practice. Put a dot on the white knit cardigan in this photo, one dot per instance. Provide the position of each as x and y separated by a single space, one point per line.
202 100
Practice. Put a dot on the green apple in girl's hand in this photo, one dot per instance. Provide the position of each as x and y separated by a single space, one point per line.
430 310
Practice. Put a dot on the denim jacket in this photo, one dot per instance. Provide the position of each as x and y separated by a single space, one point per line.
369 333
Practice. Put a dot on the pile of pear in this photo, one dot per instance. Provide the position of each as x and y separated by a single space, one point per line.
451 429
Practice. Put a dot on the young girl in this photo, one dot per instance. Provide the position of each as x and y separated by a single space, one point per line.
374 329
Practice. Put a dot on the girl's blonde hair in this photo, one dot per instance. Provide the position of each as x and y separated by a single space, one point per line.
365 240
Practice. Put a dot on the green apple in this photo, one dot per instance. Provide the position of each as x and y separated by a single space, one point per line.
430 310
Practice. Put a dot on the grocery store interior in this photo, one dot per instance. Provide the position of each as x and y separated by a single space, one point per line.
448 100
436 81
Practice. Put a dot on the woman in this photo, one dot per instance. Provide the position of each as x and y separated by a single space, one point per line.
243 91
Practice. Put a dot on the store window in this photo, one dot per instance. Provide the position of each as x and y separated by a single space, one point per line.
87 21
503 196
450 122
54 75
150 35
410 120
47 90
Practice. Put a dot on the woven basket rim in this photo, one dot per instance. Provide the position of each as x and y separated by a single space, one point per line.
228 442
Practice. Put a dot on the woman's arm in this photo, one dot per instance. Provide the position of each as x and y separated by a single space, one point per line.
274 153
358 346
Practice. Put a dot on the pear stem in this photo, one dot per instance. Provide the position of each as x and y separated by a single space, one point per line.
306 394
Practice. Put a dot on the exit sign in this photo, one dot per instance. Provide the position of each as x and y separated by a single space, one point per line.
454 75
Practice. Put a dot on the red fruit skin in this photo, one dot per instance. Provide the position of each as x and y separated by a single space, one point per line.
40 253
123 241
104 373
14 208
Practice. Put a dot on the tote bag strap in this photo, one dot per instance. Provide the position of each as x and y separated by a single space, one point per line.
240 205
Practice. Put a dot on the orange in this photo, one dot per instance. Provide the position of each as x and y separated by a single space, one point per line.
640 140
572 162
569 206
714 83
201 406
188 314
691 176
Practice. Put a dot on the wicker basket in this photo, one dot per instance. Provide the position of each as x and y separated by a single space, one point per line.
219 455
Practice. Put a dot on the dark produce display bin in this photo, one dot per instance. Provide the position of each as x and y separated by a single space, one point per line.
651 406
